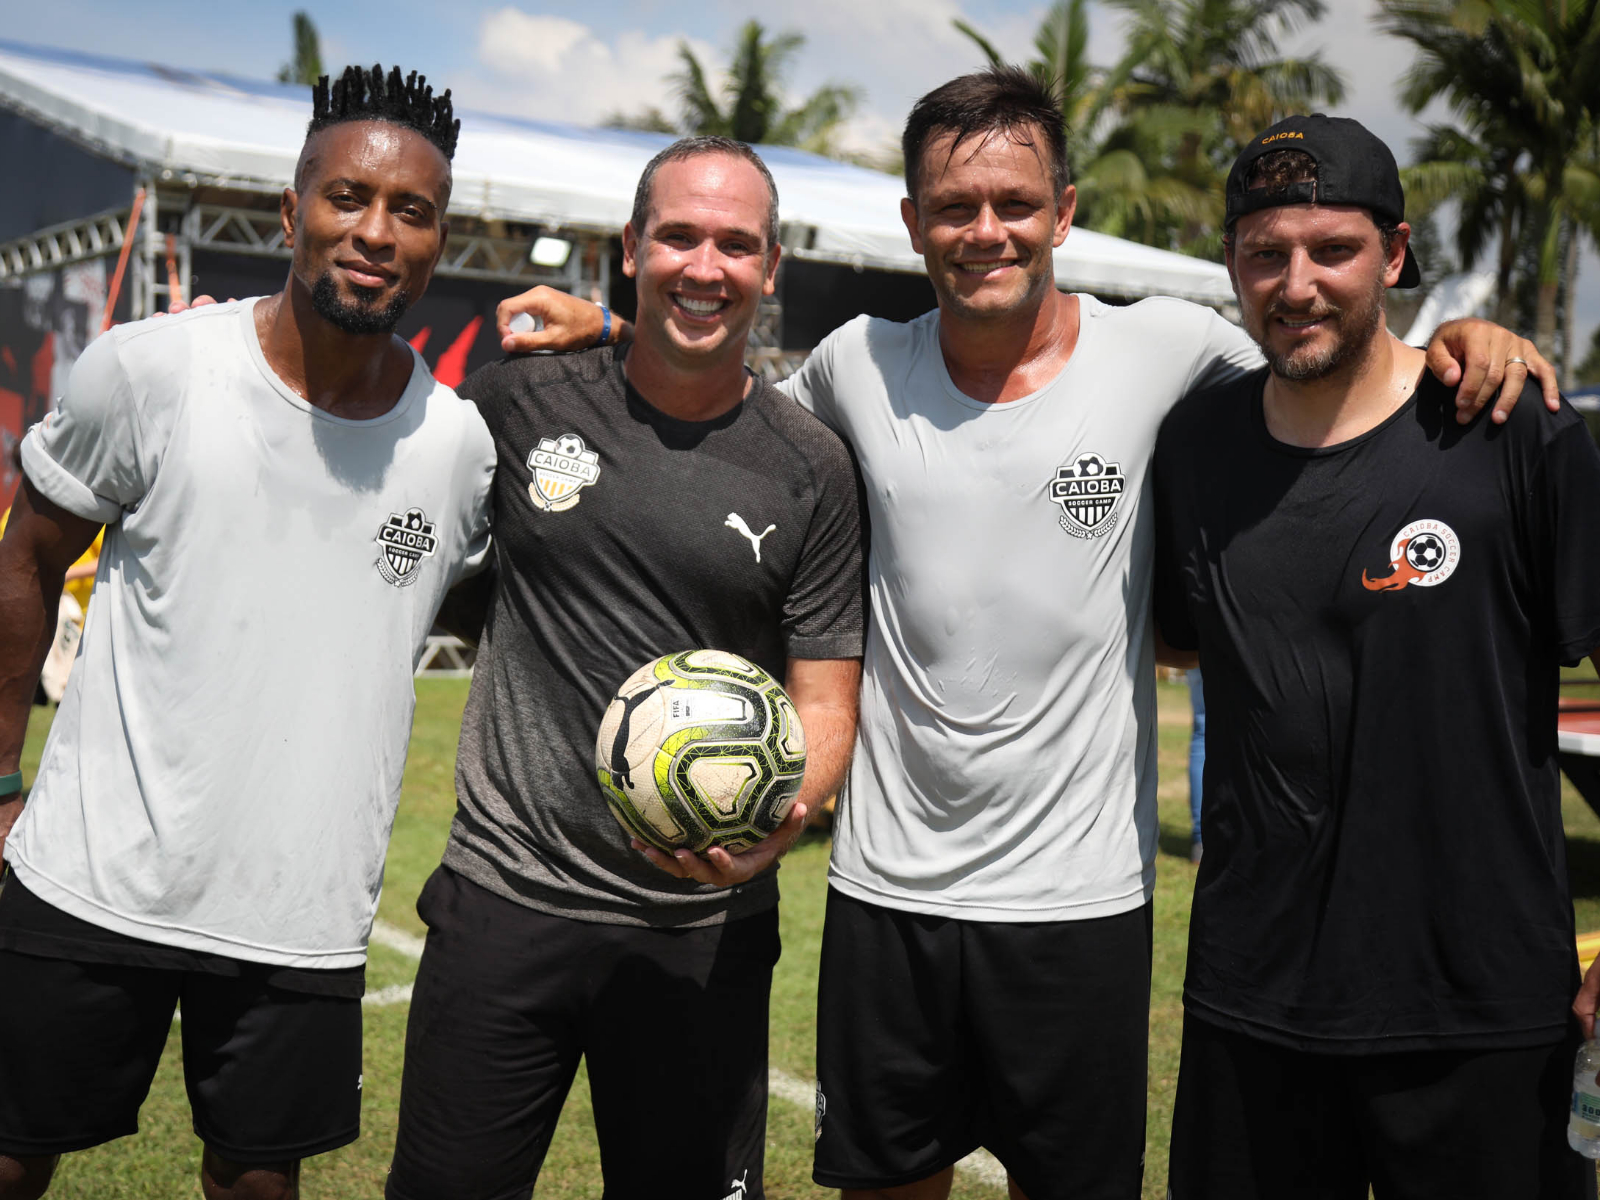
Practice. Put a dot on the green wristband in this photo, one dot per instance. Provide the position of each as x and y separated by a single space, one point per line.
11 784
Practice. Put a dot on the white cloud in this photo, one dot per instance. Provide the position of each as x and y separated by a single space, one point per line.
556 68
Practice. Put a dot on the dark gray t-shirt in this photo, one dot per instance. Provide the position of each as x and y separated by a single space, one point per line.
622 534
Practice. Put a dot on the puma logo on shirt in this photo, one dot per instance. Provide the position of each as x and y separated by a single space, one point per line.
735 521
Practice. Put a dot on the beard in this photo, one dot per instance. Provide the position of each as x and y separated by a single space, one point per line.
1354 331
360 315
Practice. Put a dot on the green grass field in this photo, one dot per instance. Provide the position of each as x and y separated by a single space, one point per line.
163 1160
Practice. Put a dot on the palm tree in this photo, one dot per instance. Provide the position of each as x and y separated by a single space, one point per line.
1482 176
307 65
1522 78
1198 80
1151 138
752 108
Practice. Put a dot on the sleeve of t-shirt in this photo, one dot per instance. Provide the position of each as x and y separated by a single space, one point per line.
1570 510
1225 352
812 385
482 388
1170 602
479 464
89 455
824 613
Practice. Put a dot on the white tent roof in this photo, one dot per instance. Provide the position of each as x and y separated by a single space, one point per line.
245 133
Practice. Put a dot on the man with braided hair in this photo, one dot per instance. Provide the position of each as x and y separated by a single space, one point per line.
210 816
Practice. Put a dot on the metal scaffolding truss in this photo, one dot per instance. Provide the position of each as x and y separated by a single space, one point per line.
238 230
473 253
466 256
61 245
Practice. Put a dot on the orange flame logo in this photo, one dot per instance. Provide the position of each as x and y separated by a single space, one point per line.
1401 573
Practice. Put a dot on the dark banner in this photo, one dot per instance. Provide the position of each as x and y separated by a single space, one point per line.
46 320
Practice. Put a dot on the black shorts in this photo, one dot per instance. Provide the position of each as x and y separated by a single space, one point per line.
273 1075
1257 1121
672 1022
937 1036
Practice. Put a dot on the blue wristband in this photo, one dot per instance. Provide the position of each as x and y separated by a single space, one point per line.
605 325
11 785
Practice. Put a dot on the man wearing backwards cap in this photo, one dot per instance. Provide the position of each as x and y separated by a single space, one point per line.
1381 954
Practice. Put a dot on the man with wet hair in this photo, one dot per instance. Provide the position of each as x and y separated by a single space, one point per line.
210 815
1381 958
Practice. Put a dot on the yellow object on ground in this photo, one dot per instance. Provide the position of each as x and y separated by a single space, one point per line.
1588 949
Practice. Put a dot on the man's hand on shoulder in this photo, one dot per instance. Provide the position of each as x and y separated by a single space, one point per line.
570 323
721 869
178 304
1480 358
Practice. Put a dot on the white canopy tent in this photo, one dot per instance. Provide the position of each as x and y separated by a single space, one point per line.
202 130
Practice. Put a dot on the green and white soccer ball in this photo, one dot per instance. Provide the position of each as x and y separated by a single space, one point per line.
700 749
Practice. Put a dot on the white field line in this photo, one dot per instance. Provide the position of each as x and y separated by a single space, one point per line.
396 939
981 1165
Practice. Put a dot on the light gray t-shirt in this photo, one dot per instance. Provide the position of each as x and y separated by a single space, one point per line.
224 768
1005 764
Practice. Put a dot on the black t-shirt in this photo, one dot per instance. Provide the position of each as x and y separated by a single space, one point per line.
1380 624
622 534
30 926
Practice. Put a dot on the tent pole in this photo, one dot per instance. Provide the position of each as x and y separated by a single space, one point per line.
128 233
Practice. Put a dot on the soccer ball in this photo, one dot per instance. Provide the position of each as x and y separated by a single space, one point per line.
700 749
1425 551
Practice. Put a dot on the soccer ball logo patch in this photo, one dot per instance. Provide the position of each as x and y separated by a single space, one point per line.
562 467
405 540
1088 488
1424 553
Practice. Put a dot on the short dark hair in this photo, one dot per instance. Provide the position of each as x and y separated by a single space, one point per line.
360 95
695 147
1006 100
1278 171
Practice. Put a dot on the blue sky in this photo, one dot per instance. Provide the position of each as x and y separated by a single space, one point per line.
580 62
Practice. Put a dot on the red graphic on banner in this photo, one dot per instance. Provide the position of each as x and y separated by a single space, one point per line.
451 367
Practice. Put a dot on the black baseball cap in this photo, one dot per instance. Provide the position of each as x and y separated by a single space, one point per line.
1353 167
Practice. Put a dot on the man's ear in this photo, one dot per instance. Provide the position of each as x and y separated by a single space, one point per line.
769 285
908 214
1066 206
1397 254
630 251
288 207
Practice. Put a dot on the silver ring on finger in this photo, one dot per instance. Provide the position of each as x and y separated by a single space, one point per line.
1515 359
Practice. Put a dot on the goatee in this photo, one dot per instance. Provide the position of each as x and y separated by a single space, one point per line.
361 315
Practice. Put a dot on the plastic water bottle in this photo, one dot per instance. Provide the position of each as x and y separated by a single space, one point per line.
525 323
1583 1125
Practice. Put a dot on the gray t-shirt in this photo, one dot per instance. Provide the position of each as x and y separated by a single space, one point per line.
225 766
1005 761
623 534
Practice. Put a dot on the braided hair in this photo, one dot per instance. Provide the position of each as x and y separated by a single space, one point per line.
360 95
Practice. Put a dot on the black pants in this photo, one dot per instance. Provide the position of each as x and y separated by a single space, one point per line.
936 1036
672 1022
1256 1121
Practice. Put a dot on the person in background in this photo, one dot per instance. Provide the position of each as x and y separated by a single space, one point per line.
1197 759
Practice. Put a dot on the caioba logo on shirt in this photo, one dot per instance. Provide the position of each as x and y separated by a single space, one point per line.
406 540
562 467
1424 553
1088 488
